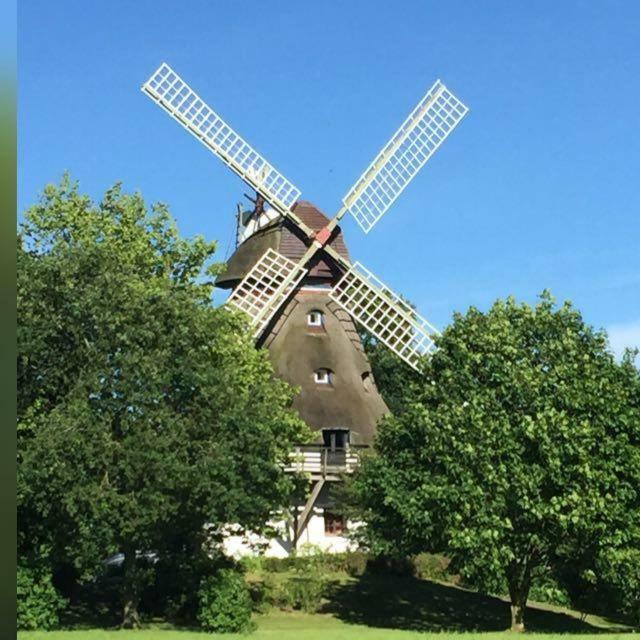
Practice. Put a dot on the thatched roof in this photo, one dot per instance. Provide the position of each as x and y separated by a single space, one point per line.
352 400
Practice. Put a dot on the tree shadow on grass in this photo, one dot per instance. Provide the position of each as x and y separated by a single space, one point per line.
402 602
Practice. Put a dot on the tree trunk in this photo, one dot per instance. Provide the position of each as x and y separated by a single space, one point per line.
130 616
517 616
130 591
519 577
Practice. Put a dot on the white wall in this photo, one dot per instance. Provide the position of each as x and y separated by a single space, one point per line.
280 547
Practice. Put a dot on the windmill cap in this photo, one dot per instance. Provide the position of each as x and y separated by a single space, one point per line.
284 236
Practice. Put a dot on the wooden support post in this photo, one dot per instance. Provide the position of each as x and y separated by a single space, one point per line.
304 517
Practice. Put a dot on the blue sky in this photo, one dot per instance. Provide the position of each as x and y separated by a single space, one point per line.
537 188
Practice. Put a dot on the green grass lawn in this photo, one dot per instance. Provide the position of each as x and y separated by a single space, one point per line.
293 626
375 607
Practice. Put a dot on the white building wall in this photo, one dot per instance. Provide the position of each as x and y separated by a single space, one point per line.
313 537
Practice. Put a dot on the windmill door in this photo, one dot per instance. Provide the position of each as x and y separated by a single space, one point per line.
336 442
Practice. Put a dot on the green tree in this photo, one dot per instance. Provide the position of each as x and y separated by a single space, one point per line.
38 602
145 414
520 445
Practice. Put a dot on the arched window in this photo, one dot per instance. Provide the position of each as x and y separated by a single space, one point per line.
315 318
323 376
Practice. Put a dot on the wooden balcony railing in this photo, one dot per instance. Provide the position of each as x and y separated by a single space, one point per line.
320 460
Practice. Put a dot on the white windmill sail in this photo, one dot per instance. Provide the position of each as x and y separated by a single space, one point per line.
175 96
265 287
273 278
384 314
420 135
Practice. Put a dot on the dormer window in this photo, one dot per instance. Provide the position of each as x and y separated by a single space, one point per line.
323 376
315 318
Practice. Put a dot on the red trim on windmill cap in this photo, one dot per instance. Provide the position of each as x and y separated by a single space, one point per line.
323 236
292 246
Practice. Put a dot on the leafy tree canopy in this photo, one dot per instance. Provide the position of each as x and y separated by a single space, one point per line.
519 446
144 412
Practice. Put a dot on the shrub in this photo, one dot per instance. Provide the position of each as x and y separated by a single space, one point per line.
261 594
544 588
355 563
224 603
390 565
300 591
305 592
619 585
429 566
274 593
299 581
173 595
276 565
39 603
252 564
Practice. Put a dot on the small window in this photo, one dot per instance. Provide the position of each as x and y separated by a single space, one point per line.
367 381
315 318
323 376
334 524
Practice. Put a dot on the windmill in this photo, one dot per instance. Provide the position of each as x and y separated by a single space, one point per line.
293 277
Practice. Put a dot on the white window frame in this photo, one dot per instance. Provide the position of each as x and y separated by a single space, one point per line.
322 376
320 318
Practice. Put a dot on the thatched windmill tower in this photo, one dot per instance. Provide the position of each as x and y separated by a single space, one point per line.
314 345
291 273
313 342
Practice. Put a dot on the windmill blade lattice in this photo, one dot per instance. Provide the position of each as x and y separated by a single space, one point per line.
265 287
419 137
384 314
271 280
175 96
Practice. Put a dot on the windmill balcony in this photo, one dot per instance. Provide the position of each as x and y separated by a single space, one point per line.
324 462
